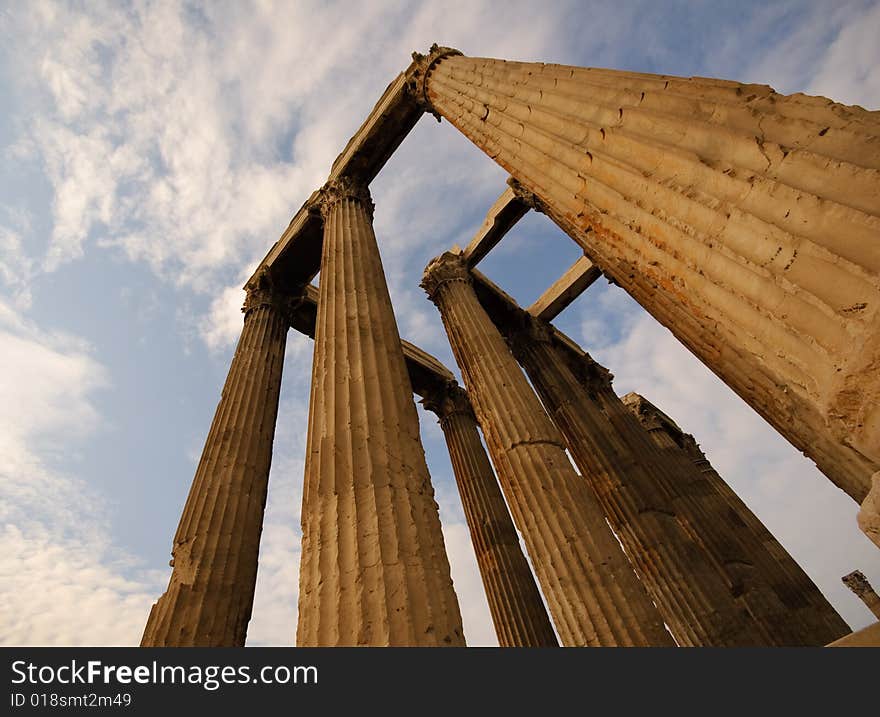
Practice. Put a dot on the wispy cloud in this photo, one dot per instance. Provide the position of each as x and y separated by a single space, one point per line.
62 576
181 138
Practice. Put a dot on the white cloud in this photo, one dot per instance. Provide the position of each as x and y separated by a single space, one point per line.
16 267
827 49
184 137
64 581
223 326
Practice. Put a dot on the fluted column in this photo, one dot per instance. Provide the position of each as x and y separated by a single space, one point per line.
820 621
211 592
374 569
688 587
517 610
590 587
869 512
745 221
702 512
858 583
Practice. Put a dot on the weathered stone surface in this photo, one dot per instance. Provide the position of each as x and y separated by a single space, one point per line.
517 610
820 622
502 216
703 513
426 372
858 583
211 592
590 587
745 221
869 511
374 569
866 637
685 584
565 289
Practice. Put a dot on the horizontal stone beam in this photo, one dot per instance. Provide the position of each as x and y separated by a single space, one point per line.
507 210
295 258
504 312
426 373
565 289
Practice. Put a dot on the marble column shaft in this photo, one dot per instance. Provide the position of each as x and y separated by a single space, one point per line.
374 569
821 622
591 589
691 592
745 221
518 612
703 513
211 592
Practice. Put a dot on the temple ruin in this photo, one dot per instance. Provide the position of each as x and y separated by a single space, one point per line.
744 221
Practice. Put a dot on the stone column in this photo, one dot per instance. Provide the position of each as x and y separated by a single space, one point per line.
821 622
689 588
745 221
211 592
869 512
517 610
590 587
858 583
374 569
703 513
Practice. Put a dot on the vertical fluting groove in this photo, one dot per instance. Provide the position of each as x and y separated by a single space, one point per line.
591 589
216 546
374 566
515 604
812 618
692 595
746 222
704 518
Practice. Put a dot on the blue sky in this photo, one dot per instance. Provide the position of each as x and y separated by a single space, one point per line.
151 154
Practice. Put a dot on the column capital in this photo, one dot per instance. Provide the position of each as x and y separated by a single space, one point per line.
447 400
591 374
646 413
345 187
263 290
526 330
858 583
443 269
417 84
527 197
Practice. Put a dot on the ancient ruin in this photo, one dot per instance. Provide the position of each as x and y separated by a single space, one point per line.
744 221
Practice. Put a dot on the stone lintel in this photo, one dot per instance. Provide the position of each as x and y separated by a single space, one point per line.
577 278
297 254
507 210
425 372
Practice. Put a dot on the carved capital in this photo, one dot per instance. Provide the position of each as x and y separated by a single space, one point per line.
593 376
263 291
527 197
344 188
424 64
858 583
448 400
443 269
524 331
